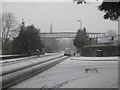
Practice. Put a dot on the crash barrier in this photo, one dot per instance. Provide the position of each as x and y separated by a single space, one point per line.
22 58
3 57
13 78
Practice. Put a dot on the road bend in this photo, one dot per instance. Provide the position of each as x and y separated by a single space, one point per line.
13 74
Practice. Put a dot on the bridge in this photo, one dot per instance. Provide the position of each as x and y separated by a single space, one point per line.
69 35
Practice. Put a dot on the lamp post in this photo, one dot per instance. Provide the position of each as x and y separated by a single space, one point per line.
80 23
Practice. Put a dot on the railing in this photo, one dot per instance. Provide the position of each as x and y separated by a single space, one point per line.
113 41
69 35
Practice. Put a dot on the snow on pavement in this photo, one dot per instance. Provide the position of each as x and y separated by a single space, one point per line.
106 80
71 74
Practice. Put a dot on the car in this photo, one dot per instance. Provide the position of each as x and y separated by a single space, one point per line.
67 54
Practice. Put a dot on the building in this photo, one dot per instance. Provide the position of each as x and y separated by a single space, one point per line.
102 46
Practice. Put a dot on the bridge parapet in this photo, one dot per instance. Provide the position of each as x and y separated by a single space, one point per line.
69 35
93 37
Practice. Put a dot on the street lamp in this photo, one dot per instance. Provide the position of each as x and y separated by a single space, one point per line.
80 23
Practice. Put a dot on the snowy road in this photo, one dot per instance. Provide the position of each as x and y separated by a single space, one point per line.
71 74
26 63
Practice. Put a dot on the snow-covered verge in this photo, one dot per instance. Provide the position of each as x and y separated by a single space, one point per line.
95 58
24 58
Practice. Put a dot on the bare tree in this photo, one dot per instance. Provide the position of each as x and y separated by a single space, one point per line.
9 23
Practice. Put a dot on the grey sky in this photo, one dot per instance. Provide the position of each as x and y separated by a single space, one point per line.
63 15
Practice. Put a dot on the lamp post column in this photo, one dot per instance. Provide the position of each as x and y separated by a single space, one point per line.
80 23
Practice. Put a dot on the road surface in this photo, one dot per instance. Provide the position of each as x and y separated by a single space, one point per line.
14 73
25 63
71 74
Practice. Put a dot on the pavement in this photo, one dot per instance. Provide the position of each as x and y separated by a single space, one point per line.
71 73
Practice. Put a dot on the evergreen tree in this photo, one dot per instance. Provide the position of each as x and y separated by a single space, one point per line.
28 39
80 39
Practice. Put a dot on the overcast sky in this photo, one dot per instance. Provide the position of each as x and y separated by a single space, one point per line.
62 15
